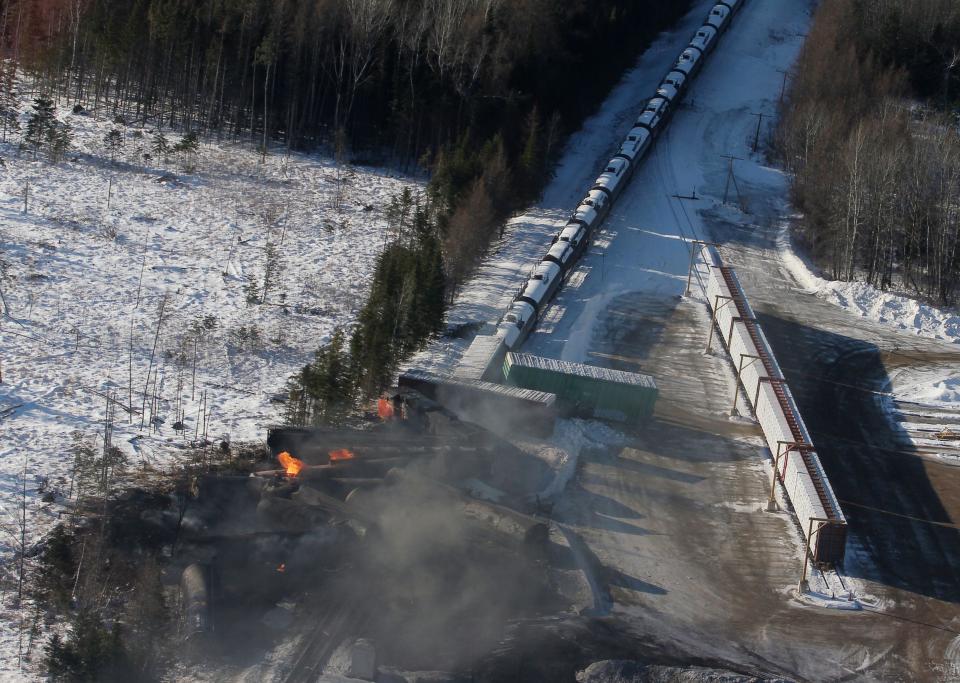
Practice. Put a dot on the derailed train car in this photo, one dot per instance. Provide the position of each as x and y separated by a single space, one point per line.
195 605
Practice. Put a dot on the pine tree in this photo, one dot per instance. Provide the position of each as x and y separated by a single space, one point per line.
160 146
59 140
113 142
532 161
188 147
189 144
9 101
327 382
41 124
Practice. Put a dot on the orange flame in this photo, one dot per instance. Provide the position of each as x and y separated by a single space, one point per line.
290 463
282 568
385 409
341 454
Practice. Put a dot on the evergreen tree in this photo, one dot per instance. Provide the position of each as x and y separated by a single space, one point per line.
532 161
113 142
188 147
189 144
327 383
9 101
92 653
160 146
41 124
59 140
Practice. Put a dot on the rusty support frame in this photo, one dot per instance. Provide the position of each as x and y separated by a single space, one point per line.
713 317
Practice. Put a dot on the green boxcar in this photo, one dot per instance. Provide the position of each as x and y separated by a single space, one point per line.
601 392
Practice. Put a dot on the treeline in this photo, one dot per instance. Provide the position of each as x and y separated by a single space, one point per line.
869 129
480 92
409 76
405 306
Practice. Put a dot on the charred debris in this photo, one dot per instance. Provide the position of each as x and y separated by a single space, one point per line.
409 545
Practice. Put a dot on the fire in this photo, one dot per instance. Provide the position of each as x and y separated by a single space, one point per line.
341 454
282 568
385 409
291 464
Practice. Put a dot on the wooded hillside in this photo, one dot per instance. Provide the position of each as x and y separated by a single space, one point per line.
406 76
869 128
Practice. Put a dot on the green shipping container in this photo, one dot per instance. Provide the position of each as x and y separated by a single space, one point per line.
601 392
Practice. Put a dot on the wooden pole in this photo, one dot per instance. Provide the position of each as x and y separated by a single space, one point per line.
804 585
772 500
713 317
693 254
130 374
756 139
738 379
156 338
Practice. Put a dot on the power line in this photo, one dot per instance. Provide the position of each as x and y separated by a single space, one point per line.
946 525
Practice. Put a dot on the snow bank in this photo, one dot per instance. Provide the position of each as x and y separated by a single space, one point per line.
860 298
933 390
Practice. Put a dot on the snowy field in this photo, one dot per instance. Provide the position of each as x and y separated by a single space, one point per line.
174 268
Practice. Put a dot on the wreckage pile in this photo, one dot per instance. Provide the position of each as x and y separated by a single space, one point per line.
366 534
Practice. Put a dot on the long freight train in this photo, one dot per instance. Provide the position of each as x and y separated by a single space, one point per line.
571 242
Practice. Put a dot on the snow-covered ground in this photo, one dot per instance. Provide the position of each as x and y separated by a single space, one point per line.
85 284
902 312
934 390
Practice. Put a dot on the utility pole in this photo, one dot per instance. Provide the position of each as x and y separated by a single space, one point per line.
26 198
783 86
694 244
733 177
756 138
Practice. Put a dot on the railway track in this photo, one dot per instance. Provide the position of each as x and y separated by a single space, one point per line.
341 618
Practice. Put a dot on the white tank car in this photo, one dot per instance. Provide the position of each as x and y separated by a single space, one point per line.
677 79
576 235
599 200
653 115
719 17
705 39
668 92
561 253
516 324
541 285
636 144
587 216
689 62
614 177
